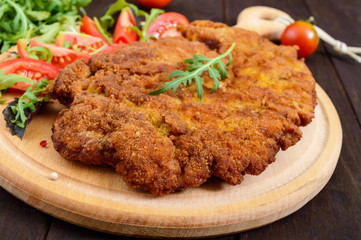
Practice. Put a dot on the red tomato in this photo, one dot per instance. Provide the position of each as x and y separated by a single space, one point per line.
303 35
154 3
89 27
113 48
21 45
61 56
122 33
166 25
82 41
31 68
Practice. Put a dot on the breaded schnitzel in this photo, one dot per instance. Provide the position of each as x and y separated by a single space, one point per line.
168 142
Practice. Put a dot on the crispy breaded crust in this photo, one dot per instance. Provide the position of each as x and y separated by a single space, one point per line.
170 141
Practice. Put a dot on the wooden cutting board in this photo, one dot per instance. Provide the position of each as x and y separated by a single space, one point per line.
97 198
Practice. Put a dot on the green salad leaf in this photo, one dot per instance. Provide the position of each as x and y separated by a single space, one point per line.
25 19
20 112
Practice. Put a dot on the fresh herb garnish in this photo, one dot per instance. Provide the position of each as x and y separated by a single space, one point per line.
19 112
196 66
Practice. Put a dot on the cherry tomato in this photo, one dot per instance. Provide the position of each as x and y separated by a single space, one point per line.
61 56
31 68
303 35
86 43
122 33
89 27
166 25
154 3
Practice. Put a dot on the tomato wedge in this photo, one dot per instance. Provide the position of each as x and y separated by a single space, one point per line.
85 42
31 68
21 45
89 27
166 25
122 33
61 56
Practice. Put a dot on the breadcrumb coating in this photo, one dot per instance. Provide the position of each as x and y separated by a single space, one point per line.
168 142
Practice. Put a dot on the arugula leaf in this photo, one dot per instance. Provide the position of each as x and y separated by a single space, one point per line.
197 65
65 23
49 32
37 15
20 112
9 115
25 19
148 20
79 3
40 53
103 32
19 17
9 80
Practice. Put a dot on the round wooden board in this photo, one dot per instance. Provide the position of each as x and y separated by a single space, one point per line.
97 197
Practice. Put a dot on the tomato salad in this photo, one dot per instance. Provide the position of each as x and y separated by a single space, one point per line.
38 62
89 41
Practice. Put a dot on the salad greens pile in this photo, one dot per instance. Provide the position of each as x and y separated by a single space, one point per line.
25 19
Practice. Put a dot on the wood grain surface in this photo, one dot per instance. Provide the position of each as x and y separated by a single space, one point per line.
334 213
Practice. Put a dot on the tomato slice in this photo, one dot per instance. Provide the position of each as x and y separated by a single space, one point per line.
31 68
61 56
21 45
89 27
122 33
85 42
166 25
113 48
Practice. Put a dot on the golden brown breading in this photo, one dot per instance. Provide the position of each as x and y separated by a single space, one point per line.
170 141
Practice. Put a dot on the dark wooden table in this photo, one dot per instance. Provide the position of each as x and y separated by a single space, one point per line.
335 212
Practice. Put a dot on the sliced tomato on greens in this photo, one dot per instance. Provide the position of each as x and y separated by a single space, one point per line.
79 41
61 56
31 68
122 31
166 25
